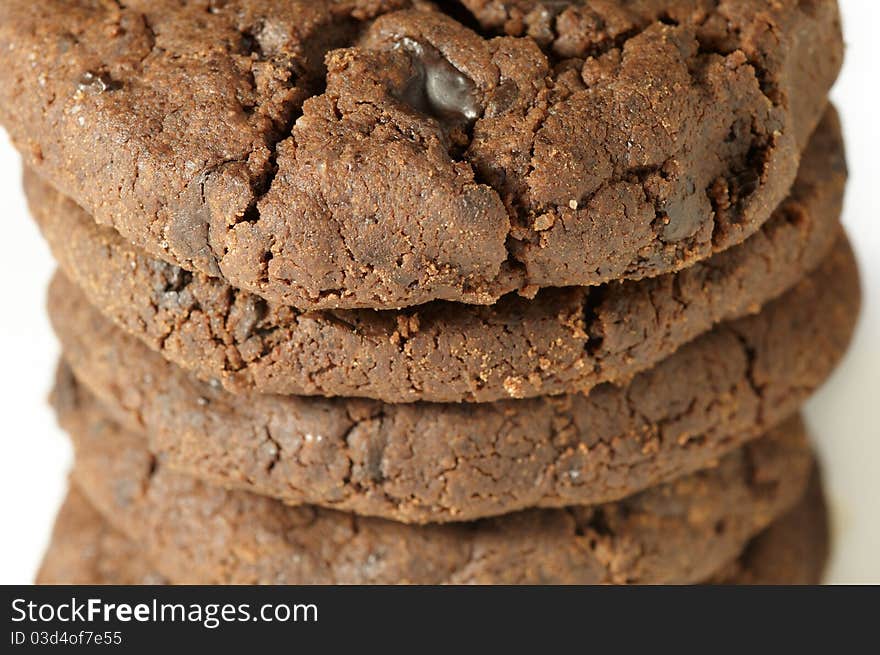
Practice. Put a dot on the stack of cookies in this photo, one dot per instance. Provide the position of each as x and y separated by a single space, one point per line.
391 291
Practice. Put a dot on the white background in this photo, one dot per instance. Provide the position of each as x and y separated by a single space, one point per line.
34 455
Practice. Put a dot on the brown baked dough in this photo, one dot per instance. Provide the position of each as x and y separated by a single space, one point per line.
194 533
426 462
419 160
564 340
85 549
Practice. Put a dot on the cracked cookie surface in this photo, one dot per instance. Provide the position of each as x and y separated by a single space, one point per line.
425 462
680 532
85 549
419 160
563 340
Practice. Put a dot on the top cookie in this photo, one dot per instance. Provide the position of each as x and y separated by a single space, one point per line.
427 161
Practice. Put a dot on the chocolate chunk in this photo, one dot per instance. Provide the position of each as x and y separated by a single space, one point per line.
458 352
96 83
438 88
674 126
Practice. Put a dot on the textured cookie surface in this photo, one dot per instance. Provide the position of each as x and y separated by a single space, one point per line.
433 462
86 550
422 160
192 532
564 340
791 551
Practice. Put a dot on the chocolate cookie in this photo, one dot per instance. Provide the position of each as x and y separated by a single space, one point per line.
432 462
425 160
86 550
791 551
565 340
678 533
